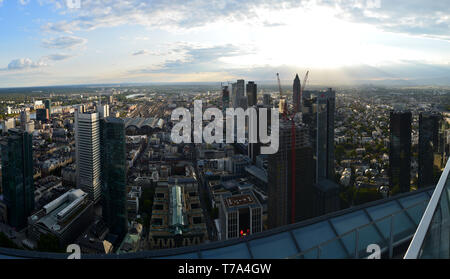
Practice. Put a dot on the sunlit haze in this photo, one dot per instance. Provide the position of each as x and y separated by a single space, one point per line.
50 42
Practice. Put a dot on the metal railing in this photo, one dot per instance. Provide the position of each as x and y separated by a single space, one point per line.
417 242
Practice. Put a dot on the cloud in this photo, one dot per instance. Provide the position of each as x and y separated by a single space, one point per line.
23 64
141 52
414 17
193 58
23 2
429 18
63 42
58 57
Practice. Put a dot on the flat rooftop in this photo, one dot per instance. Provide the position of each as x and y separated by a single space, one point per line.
239 200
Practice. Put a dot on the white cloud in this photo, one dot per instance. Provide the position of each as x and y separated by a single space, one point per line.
63 42
23 64
429 18
23 2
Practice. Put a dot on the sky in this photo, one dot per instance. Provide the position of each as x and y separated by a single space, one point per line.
61 42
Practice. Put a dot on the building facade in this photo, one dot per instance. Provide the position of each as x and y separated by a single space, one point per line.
114 167
290 178
428 148
240 215
17 176
252 94
400 151
87 140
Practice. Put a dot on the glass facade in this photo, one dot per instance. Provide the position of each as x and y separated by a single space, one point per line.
17 177
114 174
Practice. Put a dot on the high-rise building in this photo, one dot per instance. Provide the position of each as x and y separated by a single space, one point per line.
325 135
296 98
267 100
240 215
48 105
225 99
17 176
238 93
252 97
103 110
24 118
428 148
42 115
87 140
8 124
113 161
400 151
290 178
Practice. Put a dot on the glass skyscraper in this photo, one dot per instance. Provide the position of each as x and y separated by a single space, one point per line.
428 147
114 181
400 151
252 94
17 176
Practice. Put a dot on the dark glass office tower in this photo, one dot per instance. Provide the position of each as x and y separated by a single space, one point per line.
48 105
325 135
428 147
225 99
290 178
296 98
113 176
252 97
400 151
17 176
42 115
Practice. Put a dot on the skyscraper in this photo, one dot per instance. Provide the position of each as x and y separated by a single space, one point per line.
113 161
400 151
290 178
428 147
87 140
24 119
42 115
17 176
225 99
296 98
252 97
267 100
48 105
238 92
325 135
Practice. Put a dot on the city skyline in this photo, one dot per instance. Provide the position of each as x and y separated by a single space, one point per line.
49 42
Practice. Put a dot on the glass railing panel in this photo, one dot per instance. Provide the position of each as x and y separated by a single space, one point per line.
436 244
369 235
416 212
403 226
334 249
432 237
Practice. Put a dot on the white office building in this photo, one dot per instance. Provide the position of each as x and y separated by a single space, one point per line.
87 139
